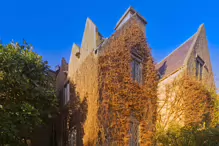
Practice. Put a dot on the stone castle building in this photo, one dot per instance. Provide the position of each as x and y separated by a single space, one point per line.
83 78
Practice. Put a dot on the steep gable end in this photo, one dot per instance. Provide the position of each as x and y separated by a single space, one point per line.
91 39
200 51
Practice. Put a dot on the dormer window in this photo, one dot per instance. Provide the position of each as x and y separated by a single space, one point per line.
137 69
199 68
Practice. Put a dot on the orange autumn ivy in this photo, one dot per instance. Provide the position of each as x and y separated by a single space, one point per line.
120 96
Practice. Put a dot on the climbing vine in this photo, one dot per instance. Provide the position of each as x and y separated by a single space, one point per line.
121 98
191 114
187 101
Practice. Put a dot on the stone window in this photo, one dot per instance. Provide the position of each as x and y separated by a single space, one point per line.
137 69
199 68
134 133
66 93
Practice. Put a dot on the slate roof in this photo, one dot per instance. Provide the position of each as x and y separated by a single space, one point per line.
175 60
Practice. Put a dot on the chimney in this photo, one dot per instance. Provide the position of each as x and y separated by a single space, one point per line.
127 15
64 64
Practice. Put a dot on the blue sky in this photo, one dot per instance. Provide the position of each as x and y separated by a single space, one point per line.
52 26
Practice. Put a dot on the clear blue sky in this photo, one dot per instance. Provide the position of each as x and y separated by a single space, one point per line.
52 26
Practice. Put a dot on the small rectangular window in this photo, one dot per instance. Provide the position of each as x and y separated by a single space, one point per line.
135 133
199 68
137 70
66 93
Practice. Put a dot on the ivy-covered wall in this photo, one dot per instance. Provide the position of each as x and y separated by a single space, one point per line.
121 99
113 98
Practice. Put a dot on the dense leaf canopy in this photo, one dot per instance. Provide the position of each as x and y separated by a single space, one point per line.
27 96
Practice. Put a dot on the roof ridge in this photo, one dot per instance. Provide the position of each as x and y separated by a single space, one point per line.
177 48
194 42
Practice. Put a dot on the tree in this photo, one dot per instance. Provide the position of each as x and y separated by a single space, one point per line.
191 114
187 101
27 96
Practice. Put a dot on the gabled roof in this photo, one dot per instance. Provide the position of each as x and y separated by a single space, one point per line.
176 59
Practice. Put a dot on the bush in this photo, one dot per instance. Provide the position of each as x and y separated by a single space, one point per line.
188 136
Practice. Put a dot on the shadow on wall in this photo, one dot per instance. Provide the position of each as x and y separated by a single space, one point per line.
162 69
77 113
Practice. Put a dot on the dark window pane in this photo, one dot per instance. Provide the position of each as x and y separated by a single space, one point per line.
136 70
133 69
197 69
134 131
201 69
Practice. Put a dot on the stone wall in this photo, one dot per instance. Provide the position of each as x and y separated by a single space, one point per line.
84 73
86 85
201 49
163 115
198 48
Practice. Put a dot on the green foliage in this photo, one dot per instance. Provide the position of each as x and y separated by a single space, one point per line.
188 136
215 98
27 96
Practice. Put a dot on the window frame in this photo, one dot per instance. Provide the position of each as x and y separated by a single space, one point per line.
199 67
134 139
66 91
137 59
